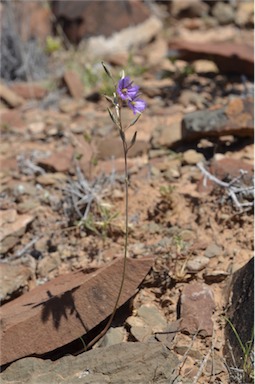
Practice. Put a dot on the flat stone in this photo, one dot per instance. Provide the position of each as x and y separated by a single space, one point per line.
215 276
51 178
71 106
234 119
36 127
13 281
125 363
197 306
197 264
213 250
221 53
11 232
48 264
11 119
169 131
29 90
224 13
190 9
152 317
192 157
74 84
113 336
59 161
65 308
10 97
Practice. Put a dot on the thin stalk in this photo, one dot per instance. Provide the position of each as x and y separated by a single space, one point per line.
103 332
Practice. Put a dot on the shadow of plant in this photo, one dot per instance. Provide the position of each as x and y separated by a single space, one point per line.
58 307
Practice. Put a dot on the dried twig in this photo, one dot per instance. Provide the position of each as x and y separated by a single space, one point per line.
83 194
201 368
236 189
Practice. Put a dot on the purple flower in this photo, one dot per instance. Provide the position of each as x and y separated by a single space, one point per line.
126 89
137 105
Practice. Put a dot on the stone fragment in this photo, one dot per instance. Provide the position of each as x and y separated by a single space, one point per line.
135 35
215 276
48 264
224 13
10 97
205 66
36 127
51 178
244 14
65 308
59 161
213 250
189 8
197 306
197 264
221 53
113 336
192 157
125 363
29 90
168 132
70 106
148 321
152 317
234 119
11 119
10 232
13 281
74 84
240 297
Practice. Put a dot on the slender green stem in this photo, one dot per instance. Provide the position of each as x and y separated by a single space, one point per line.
103 332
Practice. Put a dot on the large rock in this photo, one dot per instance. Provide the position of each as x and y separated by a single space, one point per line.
240 313
222 54
65 308
234 119
83 19
126 363
197 306
107 27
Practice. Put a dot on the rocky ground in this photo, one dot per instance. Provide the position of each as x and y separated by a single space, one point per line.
190 203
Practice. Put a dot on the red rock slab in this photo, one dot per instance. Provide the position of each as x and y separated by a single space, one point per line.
229 57
10 97
12 119
65 308
10 232
29 90
97 17
237 119
59 161
197 306
74 84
